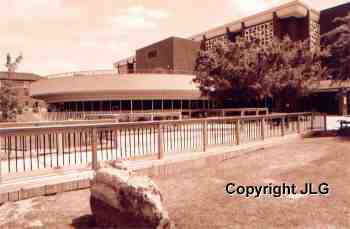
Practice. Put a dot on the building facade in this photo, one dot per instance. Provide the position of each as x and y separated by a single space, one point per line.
332 97
21 83
172 55
294 19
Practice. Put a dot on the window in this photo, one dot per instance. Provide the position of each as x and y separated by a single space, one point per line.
152 54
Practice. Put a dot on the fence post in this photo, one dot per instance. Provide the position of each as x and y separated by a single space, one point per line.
238 129
60 146
263 128
1 154
160 142
205 135
325 122
94 148
312 121
283 127
298 124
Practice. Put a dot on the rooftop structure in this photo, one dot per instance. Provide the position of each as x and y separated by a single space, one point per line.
295 19
172 55
126 65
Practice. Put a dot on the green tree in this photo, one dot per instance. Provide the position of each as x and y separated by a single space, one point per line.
245 70
337 41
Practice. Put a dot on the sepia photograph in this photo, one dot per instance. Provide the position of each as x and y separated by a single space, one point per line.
187 114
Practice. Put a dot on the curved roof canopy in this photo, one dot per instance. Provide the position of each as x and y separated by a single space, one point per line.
116 87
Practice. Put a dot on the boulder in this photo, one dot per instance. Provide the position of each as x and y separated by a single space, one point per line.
120 199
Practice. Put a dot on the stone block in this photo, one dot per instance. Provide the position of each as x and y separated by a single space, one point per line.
127 201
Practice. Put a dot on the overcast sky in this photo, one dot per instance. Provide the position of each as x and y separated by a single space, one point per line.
69 35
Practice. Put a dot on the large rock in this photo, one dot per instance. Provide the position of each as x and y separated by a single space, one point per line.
119 199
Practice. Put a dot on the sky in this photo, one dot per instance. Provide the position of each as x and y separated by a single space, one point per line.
58 36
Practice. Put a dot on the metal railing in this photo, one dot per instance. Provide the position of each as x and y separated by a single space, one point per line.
29 149
84 73
115 72
82 115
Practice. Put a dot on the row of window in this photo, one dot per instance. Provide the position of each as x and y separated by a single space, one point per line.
127 105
